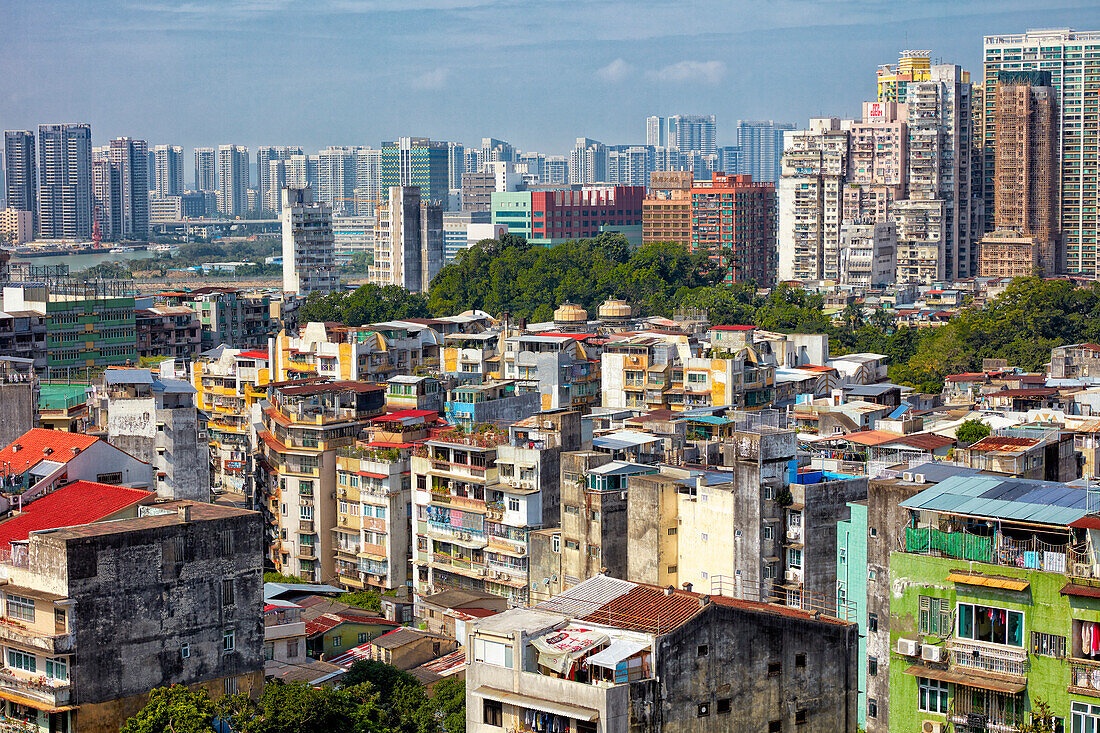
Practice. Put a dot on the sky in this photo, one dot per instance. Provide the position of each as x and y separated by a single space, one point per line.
538 74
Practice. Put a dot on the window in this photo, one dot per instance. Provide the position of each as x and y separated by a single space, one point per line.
794 558
337 641
570 509
673 569
935 616
702 650
292 648
109 478
495 653
572 545
493 713
703 709
671 531
305 512
931 696
703 536
227 542
363 637
185 651
873 532
800 661
800 716
775 726
774 669
593 551
230 686
769 493
269 651
227 592
229 641
723 705
20 607
872 707
871 574
769 533
872 666
872 622
594 516
555 543
1048 645
988 623
21 660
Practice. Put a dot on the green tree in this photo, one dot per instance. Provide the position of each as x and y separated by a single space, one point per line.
380 676
175 709
971 431
367 599
291 708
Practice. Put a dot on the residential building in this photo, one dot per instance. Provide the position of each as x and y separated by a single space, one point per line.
547 218
65 181
1009 254
229 385
921 235
587 162
169 170
611 655
409 392
1027 173
368 353
557 170
300 171
734 219
16 227
21 173
867 256
87 323
893 79
477 191
54 605
40 460
761 148
446 613
155 419
810 198
456 231
878 161
206 169
1071 59
683 132
666 209
303 427
272 178
489 403
456 165
232 180
1033 452
233 316
493 150
420 162
309 249
63 407
562 369
629 165
352 236
408 240
374 500
167 331
851 588
284 636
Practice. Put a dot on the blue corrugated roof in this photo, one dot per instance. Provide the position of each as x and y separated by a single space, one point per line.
995 497
708 419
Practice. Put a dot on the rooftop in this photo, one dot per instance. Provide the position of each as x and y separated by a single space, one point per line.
78 503
39 444
998 497
200 511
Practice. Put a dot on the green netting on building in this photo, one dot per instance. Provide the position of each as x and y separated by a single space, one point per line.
954 544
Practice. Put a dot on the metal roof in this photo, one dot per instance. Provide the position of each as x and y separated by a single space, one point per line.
128 376
624 439
997 497
708 419
619 468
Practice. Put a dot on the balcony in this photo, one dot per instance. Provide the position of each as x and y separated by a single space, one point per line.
307 552
55 644
989 658
51 692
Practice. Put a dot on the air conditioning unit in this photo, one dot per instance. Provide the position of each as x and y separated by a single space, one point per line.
492 573
931 726
1080 569
908 647
918 478
793 576
931 653
907 477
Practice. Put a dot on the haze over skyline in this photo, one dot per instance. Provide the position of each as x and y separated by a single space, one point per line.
356 72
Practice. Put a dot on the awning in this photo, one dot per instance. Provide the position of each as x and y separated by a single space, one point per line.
547 706
619 650
969 680
30 702
1078 589
988 581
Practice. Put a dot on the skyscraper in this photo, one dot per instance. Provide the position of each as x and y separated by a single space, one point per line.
169 170
456 165
417 161
733 218
683 132
309 247
1026 170
106 194
264 155
1073 60
588 161
20 172
630 165
368 181
232 179
408 240
761 144
337 178
131 159
206 169
493 151
65 181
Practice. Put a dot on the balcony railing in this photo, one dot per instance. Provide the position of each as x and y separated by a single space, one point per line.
51 644
51 692
987 658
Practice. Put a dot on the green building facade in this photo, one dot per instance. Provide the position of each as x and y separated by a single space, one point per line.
92 332
417 161
851 584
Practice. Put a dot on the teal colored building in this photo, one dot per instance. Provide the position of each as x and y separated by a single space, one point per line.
851 584
417 161
514 209
995 607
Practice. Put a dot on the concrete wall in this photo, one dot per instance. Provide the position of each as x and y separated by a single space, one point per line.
18 409
739 647
826 504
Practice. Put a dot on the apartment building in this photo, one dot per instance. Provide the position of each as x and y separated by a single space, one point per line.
408 240
472 353
374 500
1009 254
610 655
231 316
666 209
551 217
80 609
167 331
497 403
563 369
309 247
370 353
303 426
229 385
866 256
734 218
40 460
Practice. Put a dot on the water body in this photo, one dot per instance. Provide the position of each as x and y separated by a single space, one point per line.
82 262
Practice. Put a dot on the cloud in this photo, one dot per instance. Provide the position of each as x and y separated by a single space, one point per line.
705 72
616 71
434 79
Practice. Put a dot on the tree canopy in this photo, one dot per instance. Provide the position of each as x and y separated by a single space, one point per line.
365 304
971 431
